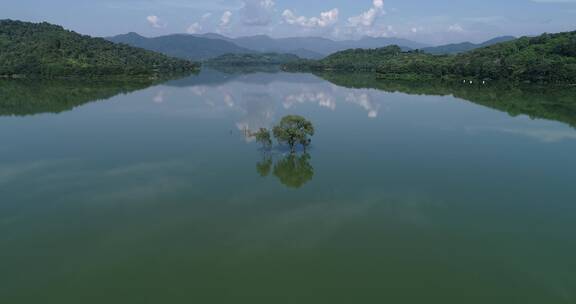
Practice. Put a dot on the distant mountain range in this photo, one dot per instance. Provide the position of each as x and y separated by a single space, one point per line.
207 46
458 48
316 45
548 58
183 46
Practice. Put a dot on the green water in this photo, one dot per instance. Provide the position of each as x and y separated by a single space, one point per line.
410 193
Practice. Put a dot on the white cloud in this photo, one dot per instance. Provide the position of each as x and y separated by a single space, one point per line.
364 100
455 28
194 28
364 23
323 99
368 17
198 26
326 19
155 21
416 29
226 19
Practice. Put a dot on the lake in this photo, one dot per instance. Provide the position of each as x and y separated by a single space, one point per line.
153 192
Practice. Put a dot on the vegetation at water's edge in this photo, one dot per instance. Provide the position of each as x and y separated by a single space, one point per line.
547 58
264 138
49 51
242 60
292 130
293 170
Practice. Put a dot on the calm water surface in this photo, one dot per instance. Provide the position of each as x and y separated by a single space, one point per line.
123 193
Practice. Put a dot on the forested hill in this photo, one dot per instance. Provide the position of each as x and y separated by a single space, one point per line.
240 60
363 60
47 50
182 46
458 48
546 58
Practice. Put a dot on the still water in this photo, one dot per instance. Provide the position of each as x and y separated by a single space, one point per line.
410 193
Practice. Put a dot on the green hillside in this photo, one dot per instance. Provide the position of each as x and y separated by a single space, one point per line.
349 60
546 58
46 50
252 59
457 48
182 46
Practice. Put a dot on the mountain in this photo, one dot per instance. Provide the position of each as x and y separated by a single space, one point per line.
307 54
464 47
379 42
266 44
239 60
318 45
47 50
549 58
210 45
546 58
364 60
190 47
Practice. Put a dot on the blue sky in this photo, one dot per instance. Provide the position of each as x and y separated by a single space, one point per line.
431 21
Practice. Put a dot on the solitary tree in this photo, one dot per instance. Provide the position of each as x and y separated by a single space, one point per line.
293 130
263 137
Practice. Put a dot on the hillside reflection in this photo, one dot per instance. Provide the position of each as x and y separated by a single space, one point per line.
255 97
538 102
30 97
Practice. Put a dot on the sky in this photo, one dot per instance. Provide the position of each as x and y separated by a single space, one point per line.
427 21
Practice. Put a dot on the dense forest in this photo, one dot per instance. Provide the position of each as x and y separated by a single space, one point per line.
547 58
361 60
457 48
47 51
242 60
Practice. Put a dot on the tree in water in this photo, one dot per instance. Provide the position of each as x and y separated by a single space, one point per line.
293 130
264 138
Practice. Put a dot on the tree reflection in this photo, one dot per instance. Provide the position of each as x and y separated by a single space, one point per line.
293 170
265 166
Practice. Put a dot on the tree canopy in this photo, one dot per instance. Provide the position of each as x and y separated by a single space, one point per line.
263 137
48 51
242 60
293 130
